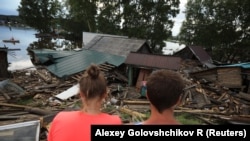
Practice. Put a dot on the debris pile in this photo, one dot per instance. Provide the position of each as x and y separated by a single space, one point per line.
37 94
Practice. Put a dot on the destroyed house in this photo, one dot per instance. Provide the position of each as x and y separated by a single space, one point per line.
234 76
196 53
141 65
101 49
118 45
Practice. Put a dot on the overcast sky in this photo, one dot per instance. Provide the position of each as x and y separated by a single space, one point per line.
179 19
9 7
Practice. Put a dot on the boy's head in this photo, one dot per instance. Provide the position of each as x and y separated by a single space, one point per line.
164 88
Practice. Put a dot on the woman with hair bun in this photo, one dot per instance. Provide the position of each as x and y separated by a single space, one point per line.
76 125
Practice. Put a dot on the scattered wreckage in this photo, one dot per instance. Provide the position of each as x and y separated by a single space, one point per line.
207 100
32 97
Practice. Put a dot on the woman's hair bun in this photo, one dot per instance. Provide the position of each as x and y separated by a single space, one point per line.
93 71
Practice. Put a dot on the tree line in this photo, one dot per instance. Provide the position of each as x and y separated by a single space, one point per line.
10 19
143 19
222 27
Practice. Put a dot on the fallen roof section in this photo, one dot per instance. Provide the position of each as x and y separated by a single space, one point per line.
45 55
79 61
245 65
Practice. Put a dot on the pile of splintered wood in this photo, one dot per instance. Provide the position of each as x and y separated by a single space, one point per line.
205 100
210 101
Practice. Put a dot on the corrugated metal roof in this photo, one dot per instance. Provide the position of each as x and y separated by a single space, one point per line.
45 55
154 61
78 62
52 53
120 46
245 65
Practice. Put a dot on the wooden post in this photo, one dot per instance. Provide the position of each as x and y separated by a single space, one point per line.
3 63
130 75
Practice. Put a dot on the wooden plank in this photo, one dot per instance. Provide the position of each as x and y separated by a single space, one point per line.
4 117
243 96
121 77
74 90
6 96
27 108
108 65
48 80
46 86
104 69
142 102
131 112
230 77
101 66
222 96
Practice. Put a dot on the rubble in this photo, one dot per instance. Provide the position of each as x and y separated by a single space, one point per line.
206 100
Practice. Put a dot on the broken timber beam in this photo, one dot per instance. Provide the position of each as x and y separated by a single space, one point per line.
28 109
141 102
6 96
131 112
243 95
46 86
48 80
194 111
121 77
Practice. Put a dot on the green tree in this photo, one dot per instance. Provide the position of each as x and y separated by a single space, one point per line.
144 19
42 16
81 17
109 17
83 12
151 20
39 14
220 26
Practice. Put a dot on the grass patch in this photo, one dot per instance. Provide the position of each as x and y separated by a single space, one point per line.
188 119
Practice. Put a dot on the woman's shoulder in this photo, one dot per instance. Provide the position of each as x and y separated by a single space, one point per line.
113 118
110 116
66 114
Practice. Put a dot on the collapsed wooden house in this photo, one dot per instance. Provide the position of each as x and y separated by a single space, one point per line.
118 45
100 50
140 66
196 53
235 76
